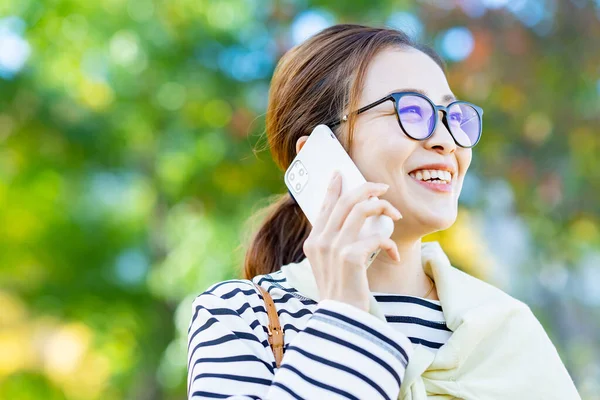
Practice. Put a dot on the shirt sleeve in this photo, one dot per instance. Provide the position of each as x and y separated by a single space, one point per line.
342 353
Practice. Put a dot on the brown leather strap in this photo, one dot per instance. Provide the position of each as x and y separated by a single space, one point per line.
275 331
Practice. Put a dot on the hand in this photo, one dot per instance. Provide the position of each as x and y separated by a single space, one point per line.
335 253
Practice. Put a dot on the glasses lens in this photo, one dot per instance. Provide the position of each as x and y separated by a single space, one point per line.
417 116
464 123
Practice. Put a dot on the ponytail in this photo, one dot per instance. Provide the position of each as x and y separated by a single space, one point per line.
280 238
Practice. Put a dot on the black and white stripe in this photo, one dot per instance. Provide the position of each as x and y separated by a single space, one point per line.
332 349
422 320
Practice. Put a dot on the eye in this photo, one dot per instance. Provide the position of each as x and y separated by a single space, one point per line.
411 110
456 117
411 113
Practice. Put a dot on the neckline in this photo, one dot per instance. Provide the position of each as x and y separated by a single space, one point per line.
405 295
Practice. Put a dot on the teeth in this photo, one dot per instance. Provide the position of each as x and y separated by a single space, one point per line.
426 175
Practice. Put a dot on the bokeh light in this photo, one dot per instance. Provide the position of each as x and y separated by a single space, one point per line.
494 4
14 49
309 22
473 8
131 267
457 43
407 22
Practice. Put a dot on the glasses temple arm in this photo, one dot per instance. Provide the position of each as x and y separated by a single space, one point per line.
363 109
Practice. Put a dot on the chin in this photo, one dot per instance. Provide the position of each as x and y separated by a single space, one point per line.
435 221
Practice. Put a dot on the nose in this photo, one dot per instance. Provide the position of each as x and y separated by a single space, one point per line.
441 140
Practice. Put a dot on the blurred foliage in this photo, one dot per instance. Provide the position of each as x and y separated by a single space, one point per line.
127 171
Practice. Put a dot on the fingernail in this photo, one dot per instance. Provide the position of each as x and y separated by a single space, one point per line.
384 186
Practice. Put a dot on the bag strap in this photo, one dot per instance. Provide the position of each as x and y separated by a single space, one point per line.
274 328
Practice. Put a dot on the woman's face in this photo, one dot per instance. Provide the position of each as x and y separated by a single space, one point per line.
383 153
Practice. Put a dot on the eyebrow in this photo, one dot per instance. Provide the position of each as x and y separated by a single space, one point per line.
448 98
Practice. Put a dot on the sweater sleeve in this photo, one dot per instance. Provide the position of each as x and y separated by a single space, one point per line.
342 353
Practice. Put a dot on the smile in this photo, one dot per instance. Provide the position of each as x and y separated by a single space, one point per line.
436 180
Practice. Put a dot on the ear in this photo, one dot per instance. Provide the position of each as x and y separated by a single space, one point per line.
300 142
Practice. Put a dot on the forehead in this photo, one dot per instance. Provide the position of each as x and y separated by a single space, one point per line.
399 69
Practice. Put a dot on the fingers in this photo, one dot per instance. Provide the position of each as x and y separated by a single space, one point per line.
364 209
390 247
359 252
347 201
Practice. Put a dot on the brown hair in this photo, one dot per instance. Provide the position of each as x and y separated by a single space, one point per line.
315 82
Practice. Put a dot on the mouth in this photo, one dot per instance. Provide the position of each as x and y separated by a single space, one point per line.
434 179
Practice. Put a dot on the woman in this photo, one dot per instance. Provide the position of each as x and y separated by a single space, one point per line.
411 325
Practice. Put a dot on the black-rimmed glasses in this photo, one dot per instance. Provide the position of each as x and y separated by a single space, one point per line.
418 116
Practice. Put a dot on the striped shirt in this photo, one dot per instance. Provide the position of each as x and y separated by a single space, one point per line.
422 320
333 350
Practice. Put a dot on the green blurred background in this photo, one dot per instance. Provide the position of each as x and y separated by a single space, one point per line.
131 138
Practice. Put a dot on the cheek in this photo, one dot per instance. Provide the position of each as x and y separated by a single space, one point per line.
384 157
396 150
380 149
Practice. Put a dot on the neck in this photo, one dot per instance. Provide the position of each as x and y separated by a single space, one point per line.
405 277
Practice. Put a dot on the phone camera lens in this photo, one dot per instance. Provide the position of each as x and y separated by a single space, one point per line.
298 186
292 176
301 172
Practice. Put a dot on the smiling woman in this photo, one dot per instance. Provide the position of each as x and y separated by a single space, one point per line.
411 325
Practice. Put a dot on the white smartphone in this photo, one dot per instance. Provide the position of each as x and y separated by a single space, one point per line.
310 173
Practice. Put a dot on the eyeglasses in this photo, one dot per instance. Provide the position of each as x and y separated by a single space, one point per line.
418 116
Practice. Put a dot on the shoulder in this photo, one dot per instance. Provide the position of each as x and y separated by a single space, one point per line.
232 305
227 289
232 294
457 289
469 292
240 290
240 297
280 289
